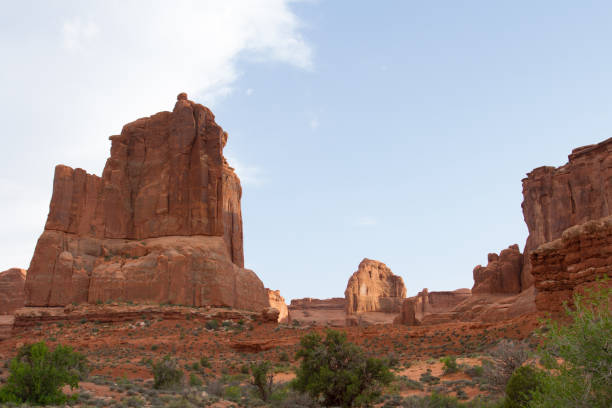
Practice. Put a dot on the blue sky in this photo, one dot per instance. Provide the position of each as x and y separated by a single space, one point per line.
396 130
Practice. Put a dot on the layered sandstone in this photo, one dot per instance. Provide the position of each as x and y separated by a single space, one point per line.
162 224
278 302
572 263
502 273
374 288
320 312
11 290
555 199
415 309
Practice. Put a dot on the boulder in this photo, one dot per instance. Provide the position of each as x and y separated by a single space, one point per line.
11 290
374 288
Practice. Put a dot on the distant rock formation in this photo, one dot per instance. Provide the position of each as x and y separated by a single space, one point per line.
572 263
415 309
11 290
374 288
278 302
502 273
555 199
320 312
162 224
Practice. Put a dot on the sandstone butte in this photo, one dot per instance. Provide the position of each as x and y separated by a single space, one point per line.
162 224
374 288
11 290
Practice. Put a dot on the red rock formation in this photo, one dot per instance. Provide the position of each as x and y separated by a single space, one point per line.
572 263
278 302
374 288
320 312
162 224
555 199
425 303
502 273
11 290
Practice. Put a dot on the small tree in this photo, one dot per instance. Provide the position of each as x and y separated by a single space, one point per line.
583 378
167 373
522 384
507 356
338 372
262 378
37 374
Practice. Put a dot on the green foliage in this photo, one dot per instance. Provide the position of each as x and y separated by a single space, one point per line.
450 364
583 378
212 324
167 374
262 378
194 380
37 374
338 372
233 393
521 386
204 362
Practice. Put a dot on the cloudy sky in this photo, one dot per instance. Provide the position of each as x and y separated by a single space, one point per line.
394 130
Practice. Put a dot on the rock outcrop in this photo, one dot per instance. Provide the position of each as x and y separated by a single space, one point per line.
555 199
278 302
502 273
415 309
162 224
320 312
374 288
572 263
11 290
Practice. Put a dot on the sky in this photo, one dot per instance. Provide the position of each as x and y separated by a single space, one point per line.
393 130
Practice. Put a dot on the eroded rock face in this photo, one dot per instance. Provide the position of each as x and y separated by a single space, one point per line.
555 199
572 263
321 312
415 309
11 290
162 224
278 302
374 288
502 273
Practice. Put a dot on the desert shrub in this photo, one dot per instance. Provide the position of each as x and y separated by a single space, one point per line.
507 356
167 373
37 374
212 324
283 356
428 378
233 393
262 378
450 364
338 372
522 384
194 380
474 371
584 347
204 362
215 388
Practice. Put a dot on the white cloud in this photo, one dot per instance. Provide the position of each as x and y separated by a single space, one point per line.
249 92
366 221
76 34
314 123
74 73
249 175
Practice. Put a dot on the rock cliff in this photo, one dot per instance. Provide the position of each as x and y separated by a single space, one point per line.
11 290
278 302
162 224
374 288
555 199
572 263
502 273
321 312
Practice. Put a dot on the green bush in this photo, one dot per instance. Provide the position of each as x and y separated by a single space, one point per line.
37 374
338 372
212 324
584 346
204 362
450 364
167 373
262 378
233 393
521 386
194 380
